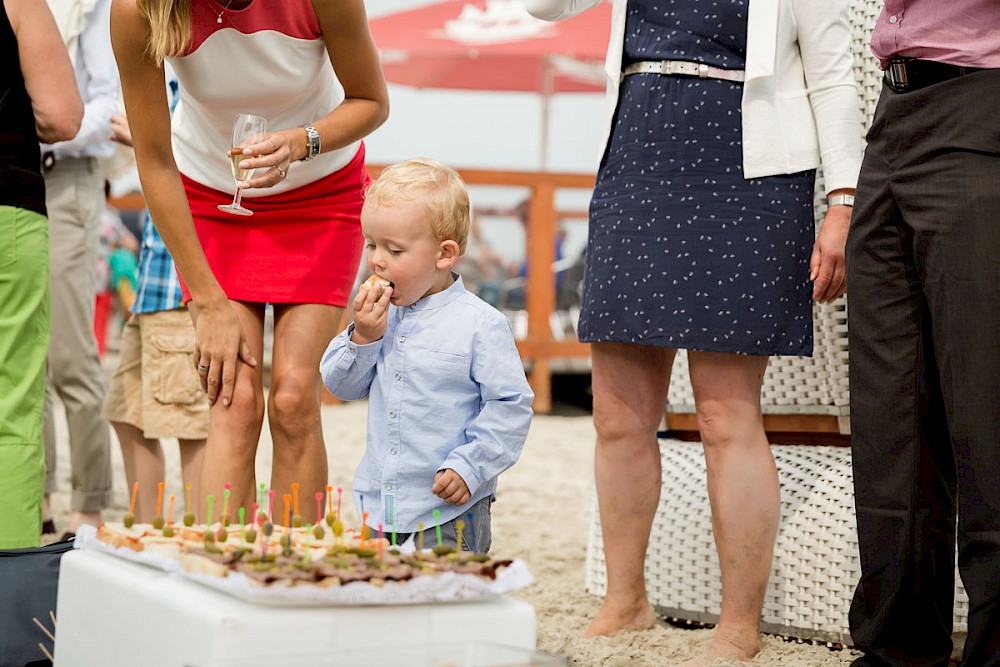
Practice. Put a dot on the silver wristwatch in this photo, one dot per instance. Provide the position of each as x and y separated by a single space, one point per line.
312 135
840 200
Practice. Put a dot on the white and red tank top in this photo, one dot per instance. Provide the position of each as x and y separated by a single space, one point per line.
267 59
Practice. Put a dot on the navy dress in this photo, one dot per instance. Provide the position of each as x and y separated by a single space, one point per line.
683 251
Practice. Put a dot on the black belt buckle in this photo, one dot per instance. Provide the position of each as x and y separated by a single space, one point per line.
896 75
48 161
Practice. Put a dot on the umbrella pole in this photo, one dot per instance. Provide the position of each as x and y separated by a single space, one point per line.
548 85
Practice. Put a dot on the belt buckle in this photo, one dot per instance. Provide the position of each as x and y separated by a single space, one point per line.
896 76
702 71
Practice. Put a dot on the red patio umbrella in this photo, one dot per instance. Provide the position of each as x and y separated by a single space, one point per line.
494 45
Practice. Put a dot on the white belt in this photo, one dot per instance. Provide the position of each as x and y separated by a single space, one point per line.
682 68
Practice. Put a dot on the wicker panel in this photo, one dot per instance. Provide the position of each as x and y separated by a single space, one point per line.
815 567
815 385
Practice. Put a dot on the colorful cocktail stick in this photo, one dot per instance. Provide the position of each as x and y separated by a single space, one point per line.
168 529
380 543
459 525
319 506
241 513
270 505
189 517
394 524
158 519
364 527
211 510
420 537
226 491
472 534
339 491
209 537
296 517
437 527
259 514
129 518
287 497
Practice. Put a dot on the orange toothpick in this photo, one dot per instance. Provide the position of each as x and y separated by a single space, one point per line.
329 497
159 499
170 510
295 497
135 492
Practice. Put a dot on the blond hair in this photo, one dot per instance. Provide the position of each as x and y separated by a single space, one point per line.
169 26
440 188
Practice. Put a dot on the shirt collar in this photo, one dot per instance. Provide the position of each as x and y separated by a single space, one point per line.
442 298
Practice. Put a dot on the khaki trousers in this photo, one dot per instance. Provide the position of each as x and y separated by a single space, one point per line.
74 196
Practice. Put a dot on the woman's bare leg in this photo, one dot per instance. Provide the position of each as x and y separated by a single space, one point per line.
630 385
743 491
234 431
301 335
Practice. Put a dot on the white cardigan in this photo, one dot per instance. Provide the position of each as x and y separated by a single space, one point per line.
799 79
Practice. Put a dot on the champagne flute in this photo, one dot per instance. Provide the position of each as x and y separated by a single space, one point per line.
247 129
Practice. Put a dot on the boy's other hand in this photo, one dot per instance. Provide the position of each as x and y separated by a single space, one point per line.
450 487
371 307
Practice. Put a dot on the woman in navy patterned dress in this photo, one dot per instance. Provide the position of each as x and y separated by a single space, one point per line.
701 238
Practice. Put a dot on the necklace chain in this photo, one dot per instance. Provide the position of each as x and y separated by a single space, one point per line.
218 15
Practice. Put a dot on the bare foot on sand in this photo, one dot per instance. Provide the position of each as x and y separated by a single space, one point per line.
611 620
732 645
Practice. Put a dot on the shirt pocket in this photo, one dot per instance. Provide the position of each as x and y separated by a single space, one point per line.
175 381
438 370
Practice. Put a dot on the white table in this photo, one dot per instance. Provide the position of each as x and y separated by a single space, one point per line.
115 613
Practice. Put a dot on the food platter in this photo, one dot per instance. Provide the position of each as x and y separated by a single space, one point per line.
423 577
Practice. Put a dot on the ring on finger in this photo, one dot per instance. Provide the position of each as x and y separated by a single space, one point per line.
281 171
202 367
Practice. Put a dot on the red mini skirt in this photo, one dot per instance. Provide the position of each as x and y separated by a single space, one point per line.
300 246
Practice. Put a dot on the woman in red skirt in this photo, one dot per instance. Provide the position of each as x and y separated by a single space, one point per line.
311 69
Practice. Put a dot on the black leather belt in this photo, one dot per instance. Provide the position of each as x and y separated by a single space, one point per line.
906 74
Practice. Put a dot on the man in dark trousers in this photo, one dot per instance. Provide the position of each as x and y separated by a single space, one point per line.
923 268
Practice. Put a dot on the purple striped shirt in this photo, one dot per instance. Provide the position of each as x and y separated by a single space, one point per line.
956 32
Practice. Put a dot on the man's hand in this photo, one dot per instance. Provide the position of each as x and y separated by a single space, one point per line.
450 487
371 306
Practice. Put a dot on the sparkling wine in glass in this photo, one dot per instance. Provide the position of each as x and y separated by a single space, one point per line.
248 129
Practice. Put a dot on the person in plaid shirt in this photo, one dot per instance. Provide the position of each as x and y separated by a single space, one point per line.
155 392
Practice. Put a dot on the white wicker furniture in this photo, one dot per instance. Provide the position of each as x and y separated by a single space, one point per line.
815 567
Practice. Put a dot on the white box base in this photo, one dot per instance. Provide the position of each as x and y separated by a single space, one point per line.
115 613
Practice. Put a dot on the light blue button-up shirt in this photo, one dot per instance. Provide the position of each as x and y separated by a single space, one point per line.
446 389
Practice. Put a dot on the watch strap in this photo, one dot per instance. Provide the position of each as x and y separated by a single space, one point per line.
312 142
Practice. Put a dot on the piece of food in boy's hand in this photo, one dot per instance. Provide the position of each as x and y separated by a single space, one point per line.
375 279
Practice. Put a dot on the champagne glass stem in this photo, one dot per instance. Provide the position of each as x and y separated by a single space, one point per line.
238 197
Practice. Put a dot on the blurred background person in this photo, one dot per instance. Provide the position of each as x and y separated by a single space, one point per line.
74 197
40 103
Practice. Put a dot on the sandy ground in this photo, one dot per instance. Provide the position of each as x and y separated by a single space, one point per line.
542 516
